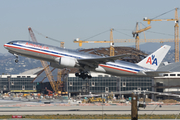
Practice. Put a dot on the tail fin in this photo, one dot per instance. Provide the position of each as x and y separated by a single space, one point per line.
153 60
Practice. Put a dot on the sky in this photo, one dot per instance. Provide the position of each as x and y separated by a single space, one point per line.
65 20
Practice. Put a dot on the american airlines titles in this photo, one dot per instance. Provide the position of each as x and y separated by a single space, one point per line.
37 46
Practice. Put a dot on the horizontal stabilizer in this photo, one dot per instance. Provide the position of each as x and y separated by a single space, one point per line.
156 73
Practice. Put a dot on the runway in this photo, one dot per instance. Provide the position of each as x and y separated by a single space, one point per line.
11 107
83 110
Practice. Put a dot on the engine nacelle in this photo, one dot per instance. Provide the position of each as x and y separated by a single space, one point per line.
100 69
66 61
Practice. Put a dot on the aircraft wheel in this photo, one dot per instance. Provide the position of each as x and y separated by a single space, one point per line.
16 60
77 74
83 76
89 76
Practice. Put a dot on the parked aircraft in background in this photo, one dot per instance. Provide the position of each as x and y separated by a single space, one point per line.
65 58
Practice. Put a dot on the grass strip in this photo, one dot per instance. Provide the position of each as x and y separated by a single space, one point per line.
105 116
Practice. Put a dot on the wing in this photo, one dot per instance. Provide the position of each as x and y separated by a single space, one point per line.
94 62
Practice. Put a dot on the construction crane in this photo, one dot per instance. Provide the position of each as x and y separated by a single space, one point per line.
61 42
44 64
136 34
60 75
112 41
56 86
61 84
50 93
144 40
126 40
176 32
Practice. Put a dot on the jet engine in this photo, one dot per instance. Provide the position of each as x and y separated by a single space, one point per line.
66 61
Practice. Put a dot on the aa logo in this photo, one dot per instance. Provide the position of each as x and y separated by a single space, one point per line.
152 60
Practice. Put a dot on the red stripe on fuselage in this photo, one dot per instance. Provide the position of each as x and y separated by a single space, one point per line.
61 56
32 50
118 69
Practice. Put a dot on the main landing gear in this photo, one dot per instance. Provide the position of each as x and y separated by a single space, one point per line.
83 75
16 60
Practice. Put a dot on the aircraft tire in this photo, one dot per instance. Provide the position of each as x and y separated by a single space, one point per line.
83 76
89 76
16 61
77 74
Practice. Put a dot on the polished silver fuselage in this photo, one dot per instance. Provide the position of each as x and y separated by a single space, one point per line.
51 53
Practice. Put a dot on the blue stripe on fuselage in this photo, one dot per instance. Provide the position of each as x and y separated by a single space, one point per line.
48 51
127 68
62 54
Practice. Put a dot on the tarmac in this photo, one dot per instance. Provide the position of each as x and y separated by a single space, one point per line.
11 107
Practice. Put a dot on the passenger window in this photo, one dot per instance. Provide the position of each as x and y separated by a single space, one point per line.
172 74
165 74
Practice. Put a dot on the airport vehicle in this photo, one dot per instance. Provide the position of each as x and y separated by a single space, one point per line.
50 93
65 58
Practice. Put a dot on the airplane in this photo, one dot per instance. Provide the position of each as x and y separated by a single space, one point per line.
86 63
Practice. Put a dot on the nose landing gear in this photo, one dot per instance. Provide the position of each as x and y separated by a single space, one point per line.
16 60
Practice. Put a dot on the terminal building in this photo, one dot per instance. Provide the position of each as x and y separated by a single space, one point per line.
103 83
30 81
19 83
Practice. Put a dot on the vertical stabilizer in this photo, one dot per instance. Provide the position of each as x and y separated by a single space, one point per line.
153 60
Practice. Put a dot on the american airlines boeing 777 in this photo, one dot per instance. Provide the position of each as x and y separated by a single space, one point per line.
65 58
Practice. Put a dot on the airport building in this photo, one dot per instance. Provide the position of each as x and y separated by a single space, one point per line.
100 83
168 83
19 83
103 83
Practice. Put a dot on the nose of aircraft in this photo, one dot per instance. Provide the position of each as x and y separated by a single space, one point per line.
6 45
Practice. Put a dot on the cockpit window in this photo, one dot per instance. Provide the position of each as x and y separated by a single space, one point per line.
10 43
